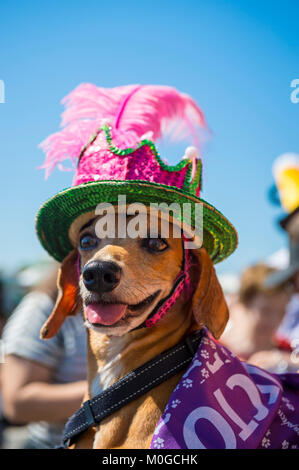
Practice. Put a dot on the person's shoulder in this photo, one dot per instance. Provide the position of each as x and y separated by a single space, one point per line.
74 324
21 335
36 301
34 309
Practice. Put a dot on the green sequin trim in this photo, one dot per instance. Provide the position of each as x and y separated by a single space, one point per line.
189 185
117 151
122 152
197 179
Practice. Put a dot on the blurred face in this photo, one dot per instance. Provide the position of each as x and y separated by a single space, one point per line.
269 309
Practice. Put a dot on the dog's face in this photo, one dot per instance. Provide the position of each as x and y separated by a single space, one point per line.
123 279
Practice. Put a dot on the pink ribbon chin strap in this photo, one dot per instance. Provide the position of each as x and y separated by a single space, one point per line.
181 282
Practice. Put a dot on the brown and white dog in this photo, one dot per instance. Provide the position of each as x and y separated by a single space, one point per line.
125 279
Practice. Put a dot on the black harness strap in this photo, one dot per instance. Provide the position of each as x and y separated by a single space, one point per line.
131 386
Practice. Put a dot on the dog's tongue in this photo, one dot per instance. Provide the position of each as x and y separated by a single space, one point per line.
105 314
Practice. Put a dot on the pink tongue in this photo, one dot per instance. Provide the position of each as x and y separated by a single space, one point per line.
106 314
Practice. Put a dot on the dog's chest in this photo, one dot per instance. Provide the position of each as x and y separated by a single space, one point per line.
110 370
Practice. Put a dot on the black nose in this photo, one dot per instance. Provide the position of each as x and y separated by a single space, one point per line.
101 276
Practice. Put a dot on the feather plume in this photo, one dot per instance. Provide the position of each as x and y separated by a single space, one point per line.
132 111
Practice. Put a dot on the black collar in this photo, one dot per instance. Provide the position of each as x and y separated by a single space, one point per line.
131 386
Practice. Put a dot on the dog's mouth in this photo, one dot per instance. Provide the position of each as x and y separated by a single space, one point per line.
112 313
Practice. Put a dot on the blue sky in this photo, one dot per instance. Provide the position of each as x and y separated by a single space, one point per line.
236 58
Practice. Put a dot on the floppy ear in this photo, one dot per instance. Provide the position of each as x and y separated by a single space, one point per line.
209 305
67 299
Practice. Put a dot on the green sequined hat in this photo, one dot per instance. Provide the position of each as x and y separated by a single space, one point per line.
120 160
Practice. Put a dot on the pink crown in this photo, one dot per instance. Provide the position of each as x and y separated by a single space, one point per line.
124 122
102 160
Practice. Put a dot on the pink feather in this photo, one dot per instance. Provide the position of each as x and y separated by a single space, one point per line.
131 110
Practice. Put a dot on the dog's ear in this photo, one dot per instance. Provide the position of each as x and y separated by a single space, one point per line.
67 299
208 303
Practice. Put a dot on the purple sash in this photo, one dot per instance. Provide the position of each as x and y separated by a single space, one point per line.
223 403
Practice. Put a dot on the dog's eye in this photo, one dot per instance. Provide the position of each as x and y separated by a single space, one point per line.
88 242
155 244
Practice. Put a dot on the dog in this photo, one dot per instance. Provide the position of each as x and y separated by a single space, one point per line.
142 295
127 278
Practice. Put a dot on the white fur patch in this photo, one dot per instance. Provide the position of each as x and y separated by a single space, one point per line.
113 368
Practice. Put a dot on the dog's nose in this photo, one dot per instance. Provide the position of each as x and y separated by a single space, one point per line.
101 276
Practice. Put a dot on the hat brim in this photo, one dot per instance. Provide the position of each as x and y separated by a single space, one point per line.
56 215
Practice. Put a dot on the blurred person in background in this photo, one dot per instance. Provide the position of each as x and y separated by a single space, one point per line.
287 334
266 321
12 290
43 381
285 193
256 315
